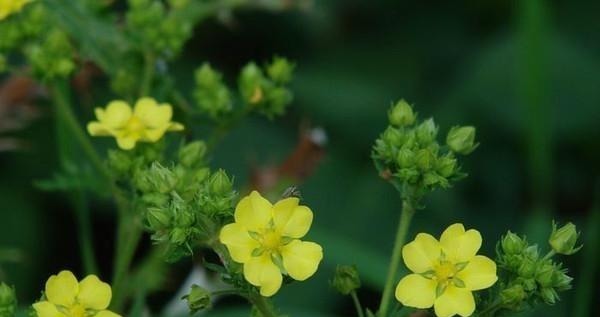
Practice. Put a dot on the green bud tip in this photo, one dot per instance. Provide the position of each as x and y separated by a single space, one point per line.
426 132
158 218
198 299
461 140
401 114
280 70
513 244
346 279
220 183
513 295
563 239
192 153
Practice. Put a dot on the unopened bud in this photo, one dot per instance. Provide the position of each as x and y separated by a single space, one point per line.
401 114
280 70
527 268
513 295
220 183
8 300
563 239
544 274
198 299
446 166
405 158
425 160
426 132
178 236
158 218
462 140
192 153
346 279
513 244
549 295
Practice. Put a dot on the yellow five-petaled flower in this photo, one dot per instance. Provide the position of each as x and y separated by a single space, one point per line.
147 122
65 297
8 7
445 272
265 238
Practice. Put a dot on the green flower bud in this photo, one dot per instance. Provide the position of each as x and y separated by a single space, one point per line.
405 158
201 174
513 244
426 132
563 239
8 300
446 165
527 268
280 70
185 219
401 114
425 160
198 299
549 295
192 153
155 199
513 295
119 161
211 94
409 175
431 179
278 98
178 236
220 183
161 178
252 84
561 281
346 279
158 218
392 137
544 274
462 140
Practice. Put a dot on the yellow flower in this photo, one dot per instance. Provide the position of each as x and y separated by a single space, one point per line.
445 272
65 297
8 7
148 122
265 238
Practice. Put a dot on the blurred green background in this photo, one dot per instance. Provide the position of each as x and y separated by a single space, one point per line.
525 73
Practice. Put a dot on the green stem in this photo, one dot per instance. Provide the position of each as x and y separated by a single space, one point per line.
262 304
357 304
148 75
491 309
550 254
85 232
229 292
61 99
129 232
408 210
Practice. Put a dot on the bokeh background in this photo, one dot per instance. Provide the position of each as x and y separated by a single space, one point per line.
525 73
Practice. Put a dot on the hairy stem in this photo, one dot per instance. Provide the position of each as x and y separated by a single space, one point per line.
408 210
261 303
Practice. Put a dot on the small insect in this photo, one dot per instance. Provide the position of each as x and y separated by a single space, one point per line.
291 191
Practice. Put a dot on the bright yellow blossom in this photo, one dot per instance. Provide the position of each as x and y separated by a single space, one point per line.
265 238
8 7
445 272
65 297
147 122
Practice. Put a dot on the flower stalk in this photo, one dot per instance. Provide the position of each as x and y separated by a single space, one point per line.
408 210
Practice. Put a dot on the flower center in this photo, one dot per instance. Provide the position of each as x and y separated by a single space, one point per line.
77 310
271 240
135 125
444 271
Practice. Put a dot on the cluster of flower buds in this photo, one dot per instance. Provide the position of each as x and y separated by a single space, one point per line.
267 93
408 151
24 26
184 204
53 57
197 299
528 278
161 28
211 95
8 300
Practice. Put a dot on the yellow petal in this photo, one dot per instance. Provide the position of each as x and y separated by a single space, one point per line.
95 128
262 272
480 273
176 126
460 246
94 293
416 291
253 212
151 114
116 115
61 289
301 259
153 135
106 313
46 309
290 219
455 301
420 254
239 243
126 143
